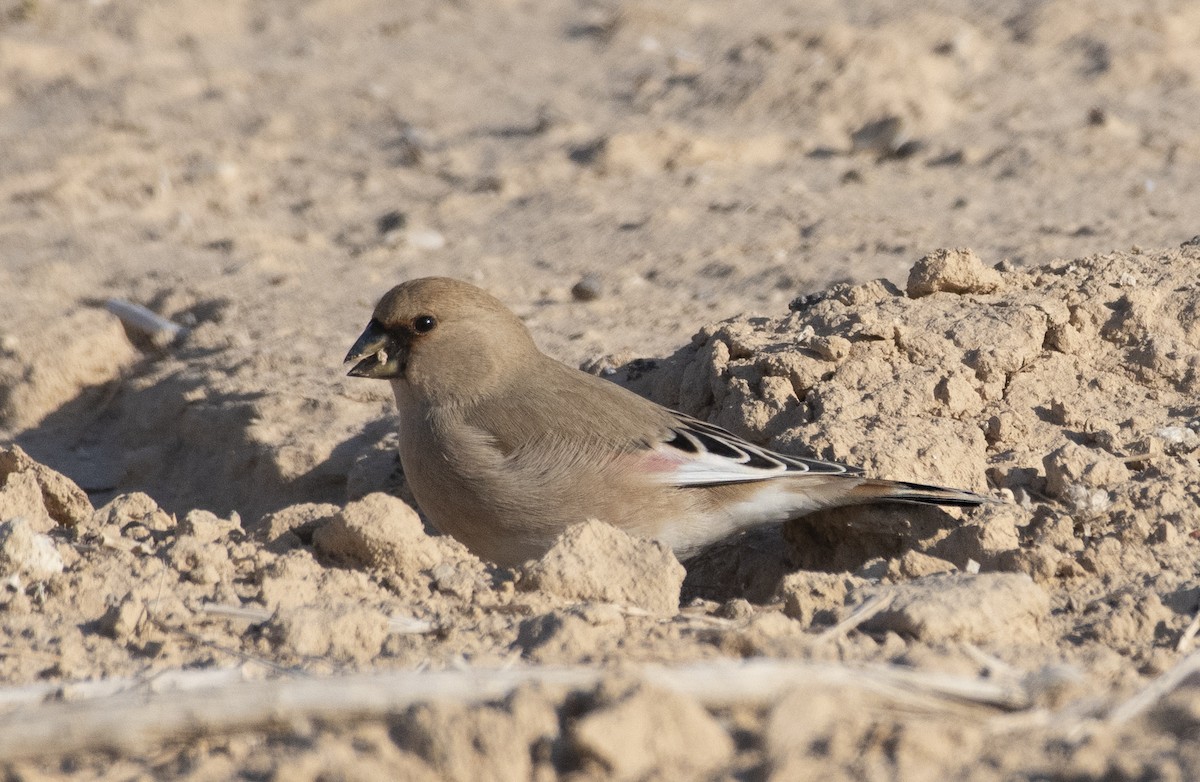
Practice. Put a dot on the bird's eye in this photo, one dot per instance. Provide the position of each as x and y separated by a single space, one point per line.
423 324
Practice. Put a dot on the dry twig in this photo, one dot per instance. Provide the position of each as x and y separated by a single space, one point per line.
857 617
397 623
1155 691
1189 634
138 715
161 332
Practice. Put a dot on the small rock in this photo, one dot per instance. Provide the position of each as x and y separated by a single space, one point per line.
885 136
1084 500
808 720
873 569
596 561
1179 439
1128 620
587 289
766 634
1043 563
26 552
607 364
393 220
953 271
986 608
653 733
832 347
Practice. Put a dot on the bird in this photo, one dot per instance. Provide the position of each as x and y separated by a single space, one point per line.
504 447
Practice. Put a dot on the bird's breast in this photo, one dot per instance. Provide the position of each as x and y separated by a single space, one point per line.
464 486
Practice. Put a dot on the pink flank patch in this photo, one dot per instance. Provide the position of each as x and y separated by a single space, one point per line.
660 462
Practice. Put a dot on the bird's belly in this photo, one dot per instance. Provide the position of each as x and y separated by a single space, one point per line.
719 512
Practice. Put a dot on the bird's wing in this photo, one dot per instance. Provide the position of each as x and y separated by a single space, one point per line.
695 453
569 424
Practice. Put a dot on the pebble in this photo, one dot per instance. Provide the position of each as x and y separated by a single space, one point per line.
425 240
587 289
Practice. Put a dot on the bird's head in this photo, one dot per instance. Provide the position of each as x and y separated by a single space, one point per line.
446 340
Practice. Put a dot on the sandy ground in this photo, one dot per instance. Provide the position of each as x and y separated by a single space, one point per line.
751 216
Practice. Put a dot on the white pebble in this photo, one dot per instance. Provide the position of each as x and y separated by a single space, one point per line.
425 240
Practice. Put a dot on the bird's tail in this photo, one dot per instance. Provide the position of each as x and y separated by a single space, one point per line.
872 490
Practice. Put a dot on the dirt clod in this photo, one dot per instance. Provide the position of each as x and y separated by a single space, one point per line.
63 500
952 271
594 561
353 633
649 729
990 608
810 597
380 531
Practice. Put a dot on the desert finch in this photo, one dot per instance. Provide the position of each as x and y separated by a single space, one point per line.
504 447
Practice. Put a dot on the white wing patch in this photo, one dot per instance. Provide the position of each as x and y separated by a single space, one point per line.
698 454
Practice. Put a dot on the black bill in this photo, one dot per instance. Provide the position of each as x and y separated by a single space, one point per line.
378 353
